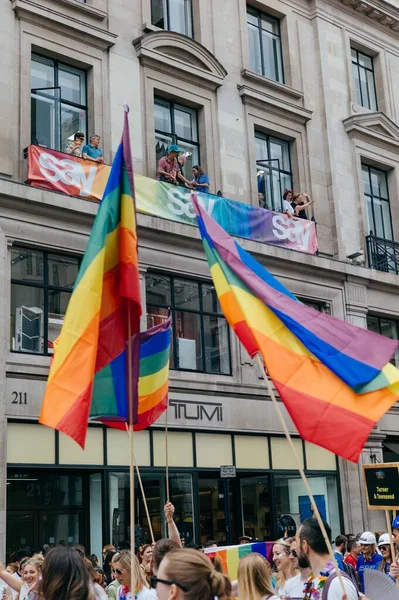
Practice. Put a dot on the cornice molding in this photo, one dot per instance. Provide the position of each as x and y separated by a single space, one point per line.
274 104
271 85
379 10
62 18
374 127
176 52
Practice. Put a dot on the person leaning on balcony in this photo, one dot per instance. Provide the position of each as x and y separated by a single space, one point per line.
299 203
201 180
181 180
168 166
74 146
92 151
287 199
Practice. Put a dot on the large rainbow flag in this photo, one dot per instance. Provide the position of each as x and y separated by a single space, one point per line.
230 556
109 402
103 310
334 378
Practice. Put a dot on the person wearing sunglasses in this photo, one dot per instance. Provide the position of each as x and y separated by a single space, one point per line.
123 563
189 575
384 546
284 566
294 587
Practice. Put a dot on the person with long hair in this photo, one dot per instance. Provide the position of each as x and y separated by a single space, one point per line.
285 568
123 564
189 575
254 578
145 557
65 576
27 586
201 180
107 566
384 546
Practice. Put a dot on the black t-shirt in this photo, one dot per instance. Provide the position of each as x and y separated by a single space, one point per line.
302 213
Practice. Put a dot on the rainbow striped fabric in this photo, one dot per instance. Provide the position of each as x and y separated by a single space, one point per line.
230 556
106 298
333 377
109 405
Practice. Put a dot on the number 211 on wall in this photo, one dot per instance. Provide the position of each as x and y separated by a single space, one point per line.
19 398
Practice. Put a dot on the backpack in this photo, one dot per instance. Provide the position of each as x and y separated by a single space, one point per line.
324 595
354 576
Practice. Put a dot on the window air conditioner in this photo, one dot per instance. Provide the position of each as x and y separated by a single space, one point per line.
29 329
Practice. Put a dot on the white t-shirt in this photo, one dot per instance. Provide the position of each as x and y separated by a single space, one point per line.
287 207
294 587
335 591
144 594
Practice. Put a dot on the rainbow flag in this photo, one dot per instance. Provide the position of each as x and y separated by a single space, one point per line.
230 556
104 308
333 377
109 405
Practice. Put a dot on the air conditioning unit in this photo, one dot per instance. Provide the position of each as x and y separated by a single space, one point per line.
29 329
187 353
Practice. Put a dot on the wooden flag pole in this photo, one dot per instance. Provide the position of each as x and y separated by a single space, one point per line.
300 468
147 512
129 427
167 452
391 542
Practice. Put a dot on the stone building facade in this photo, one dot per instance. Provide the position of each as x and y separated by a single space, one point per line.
294 93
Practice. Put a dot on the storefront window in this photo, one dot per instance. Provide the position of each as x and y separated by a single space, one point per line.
256 507
292 500
212 509
182 499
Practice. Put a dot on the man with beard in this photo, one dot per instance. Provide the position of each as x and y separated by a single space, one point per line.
294 587
311 545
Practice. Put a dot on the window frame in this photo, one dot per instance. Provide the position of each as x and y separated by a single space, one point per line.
258 14
267 137
175 138
200 312
166 17
46 287
380 198
356 63
60 101
395 358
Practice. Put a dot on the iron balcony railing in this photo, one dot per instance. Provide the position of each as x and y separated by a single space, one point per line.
383 255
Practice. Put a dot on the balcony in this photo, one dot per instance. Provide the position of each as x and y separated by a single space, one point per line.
383 255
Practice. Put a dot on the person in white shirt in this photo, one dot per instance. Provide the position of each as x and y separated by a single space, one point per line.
123 563
294 587
311 545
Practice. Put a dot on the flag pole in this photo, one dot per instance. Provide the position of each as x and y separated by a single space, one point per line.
167 451
299 465
129 427
391 542
147 512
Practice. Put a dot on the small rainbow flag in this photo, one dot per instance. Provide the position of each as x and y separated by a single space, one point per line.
333 377
110 407
230 556
106 297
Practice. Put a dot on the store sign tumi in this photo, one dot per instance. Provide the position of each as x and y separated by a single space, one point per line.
382 486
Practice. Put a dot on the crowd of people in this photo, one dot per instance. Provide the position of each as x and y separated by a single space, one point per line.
301 568
90 151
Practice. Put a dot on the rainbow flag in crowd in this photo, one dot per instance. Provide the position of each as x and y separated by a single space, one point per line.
333 377
105 300
109 403
230 556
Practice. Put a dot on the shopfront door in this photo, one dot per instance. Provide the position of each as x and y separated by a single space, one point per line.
216 509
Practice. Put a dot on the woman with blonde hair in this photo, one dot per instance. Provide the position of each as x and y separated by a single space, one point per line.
285 568
123 564
254 578
189 575
27 586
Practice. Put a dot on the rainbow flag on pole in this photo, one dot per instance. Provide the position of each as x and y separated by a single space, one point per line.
106 295
230 556
333 377
109 405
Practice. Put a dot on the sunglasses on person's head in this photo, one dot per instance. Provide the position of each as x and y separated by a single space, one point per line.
294 553
154 581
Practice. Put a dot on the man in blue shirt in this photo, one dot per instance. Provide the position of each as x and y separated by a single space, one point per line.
92 150
369 559
340 549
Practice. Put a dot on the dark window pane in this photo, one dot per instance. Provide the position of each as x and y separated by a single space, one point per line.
73 84
157 14
27 265
186 294
158 289
27 321
62 270
252 17
57 306
257 507
210 300
162 116
216 334
45 118
373 324
42 72
73 119
188 342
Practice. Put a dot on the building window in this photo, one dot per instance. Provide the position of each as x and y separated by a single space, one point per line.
363 75
265 44
387 327
274 174
201 339
41 286
375 186
177 124
174 15
58 102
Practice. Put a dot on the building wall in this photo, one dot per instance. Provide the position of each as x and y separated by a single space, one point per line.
127 61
